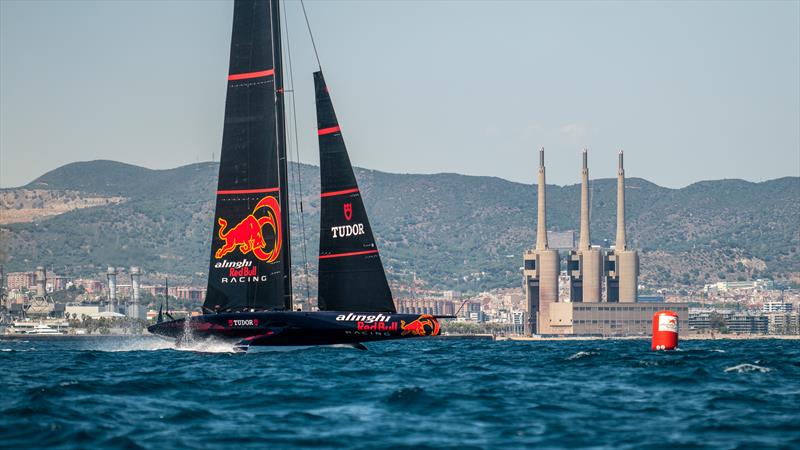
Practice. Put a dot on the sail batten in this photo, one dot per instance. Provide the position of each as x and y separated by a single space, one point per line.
250 241
351 275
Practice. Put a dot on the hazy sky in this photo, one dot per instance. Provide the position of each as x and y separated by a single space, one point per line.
691 91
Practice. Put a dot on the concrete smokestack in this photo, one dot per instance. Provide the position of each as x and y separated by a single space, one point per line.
585 240
541 213
586 263
41 281
136 282
620 244
623 282
112 289
541 268
136 278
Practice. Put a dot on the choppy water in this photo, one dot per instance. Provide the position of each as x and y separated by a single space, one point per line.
112 393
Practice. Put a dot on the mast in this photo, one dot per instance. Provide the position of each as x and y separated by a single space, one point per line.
282 161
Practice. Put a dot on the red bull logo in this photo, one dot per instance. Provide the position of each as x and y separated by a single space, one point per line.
376 326
248 235
424 325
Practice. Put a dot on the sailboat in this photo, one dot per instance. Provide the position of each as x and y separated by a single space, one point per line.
249 297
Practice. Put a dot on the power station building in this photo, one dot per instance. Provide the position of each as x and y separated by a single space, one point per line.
588 269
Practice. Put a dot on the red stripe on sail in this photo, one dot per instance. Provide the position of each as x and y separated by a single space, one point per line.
334 193
247 191
341 255
330 130
248 75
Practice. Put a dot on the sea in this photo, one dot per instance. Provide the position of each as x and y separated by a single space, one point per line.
131 393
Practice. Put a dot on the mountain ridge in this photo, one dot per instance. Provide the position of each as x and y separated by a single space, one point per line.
451 230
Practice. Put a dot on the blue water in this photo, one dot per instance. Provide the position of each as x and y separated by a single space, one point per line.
116 393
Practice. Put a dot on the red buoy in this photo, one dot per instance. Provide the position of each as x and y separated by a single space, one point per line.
665 330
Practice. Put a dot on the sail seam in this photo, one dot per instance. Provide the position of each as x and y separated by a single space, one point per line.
340 255
323 131
248 75
335 193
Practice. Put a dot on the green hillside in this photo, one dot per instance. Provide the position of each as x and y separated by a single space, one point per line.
453 231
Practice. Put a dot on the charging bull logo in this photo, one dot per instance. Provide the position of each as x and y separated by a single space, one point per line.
424 325
348 211
248 235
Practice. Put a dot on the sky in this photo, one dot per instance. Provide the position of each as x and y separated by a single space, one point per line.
690 91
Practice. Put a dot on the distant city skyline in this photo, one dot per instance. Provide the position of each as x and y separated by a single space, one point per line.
691 91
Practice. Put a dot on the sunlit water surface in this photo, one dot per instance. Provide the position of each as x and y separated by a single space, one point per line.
144 393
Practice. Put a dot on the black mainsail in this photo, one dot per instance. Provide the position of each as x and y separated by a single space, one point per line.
351 275
250 266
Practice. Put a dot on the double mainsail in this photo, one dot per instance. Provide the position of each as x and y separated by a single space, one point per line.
250 267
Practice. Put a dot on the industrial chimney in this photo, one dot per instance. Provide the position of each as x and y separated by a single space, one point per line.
541 266
135 310
41 282
112 289
586 263
623 276
620 243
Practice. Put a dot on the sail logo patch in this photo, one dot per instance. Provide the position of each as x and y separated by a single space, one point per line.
348 211
247 236
366 318
348 230
424 325
242 323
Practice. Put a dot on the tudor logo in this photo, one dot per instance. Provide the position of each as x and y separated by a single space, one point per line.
356 229
242 322
348 211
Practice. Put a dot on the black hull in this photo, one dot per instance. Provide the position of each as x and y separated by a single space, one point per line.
284 328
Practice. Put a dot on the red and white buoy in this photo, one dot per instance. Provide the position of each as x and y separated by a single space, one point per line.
665 330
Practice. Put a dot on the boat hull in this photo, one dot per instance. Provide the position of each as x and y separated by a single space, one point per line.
295 328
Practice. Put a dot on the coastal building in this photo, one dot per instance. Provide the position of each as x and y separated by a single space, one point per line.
610 319
776 307
20 280
190 293
783 323
426 306
747 324
726 286
57 282
89 285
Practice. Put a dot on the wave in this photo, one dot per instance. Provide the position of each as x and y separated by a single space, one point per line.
139 344
747 368
582 354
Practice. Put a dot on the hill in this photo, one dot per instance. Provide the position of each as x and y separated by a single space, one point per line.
452 231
